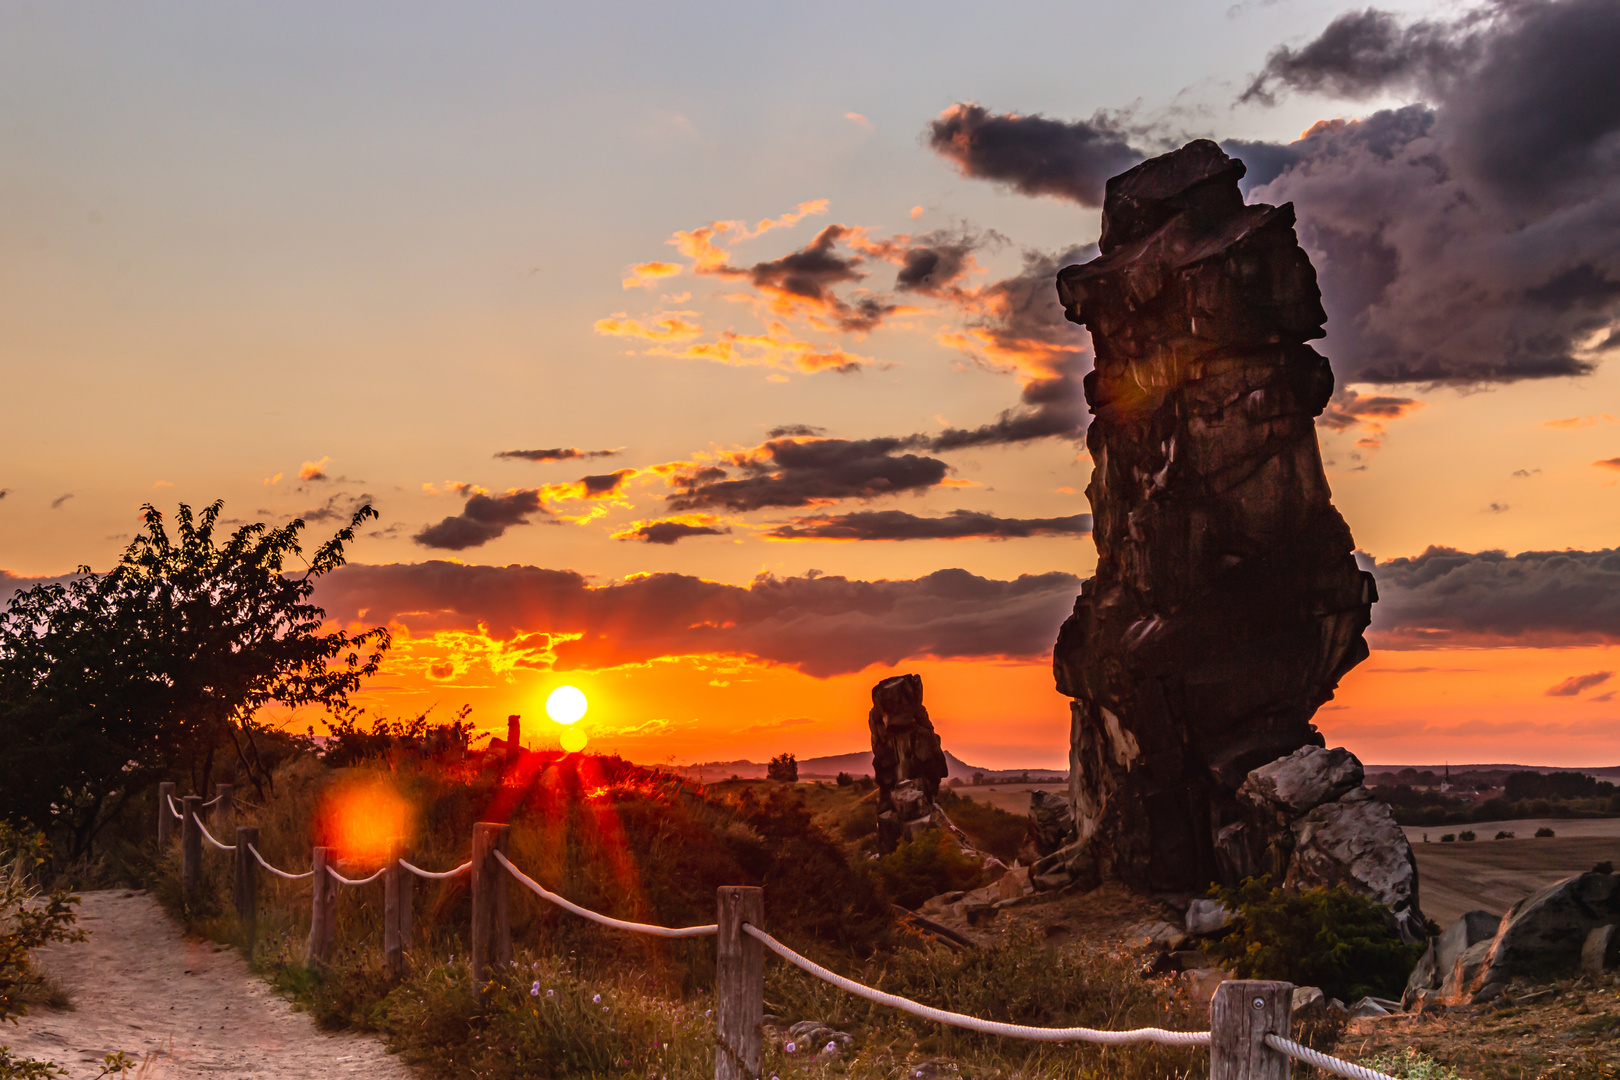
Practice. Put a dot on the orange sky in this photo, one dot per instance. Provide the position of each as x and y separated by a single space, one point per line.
734 347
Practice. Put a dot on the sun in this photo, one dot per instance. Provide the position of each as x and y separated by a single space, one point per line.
566 705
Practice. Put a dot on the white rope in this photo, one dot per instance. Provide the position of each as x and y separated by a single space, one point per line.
279 873
973 1023
1323 1061
212 801
568 905
210 836
431 876
362 881
172 809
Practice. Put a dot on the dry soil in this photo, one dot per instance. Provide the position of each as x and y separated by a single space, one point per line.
178 1007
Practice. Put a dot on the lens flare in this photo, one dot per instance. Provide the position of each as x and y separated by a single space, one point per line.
360 819
573 740
566 705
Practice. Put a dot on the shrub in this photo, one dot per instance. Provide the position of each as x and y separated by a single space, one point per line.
845 780
926 865
25 925
783 767
1331 938
1448 838
991 828
1604 867
1466 834
1503 834
1544 832
1411 1065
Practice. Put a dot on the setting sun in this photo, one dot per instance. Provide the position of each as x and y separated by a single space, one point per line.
566 705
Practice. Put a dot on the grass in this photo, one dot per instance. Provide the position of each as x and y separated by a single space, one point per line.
581 1000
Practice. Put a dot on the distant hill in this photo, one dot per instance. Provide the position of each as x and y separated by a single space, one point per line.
856 764
1602 772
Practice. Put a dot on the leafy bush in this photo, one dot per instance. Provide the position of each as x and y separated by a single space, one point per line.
1544 832
1448 838
1331 938
783 767
1411 1065
1503 834
25 925
926 865
1466 834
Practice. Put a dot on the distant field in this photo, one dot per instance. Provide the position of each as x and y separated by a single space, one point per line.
1013 798
1494 874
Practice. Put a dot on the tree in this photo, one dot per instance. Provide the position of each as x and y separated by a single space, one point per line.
111 681
783 767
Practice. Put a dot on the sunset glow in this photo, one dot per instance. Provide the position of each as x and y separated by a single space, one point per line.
566 705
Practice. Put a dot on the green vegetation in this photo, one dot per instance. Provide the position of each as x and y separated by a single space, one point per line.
1411 1065
926 865
111 682
991 828
1331 938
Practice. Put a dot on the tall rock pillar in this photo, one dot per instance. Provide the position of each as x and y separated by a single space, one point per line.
1227 603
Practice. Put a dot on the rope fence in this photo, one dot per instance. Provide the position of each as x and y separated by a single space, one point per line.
1249 1019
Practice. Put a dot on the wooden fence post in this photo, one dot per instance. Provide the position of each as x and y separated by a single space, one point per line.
395 916
739 985
247 885
491 926
407 900
165 814
320 909
514 736
190 848
1243 1013
224 819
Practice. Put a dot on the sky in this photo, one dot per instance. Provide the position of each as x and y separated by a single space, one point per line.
709 359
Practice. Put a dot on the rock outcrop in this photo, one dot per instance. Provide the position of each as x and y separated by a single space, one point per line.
904 743
1227 603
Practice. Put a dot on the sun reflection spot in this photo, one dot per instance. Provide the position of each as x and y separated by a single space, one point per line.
361 819
573 740
566 705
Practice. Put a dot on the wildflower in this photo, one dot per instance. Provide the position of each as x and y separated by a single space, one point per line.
551 993
597 998
790 1048
534 991
830 1048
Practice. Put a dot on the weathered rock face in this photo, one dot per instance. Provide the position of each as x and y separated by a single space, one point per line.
1227 603
1354 842
904 744
1051 821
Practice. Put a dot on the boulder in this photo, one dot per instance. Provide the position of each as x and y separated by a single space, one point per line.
1014 883
1302 781
1051 821
1354 842
1543 934
911 801
1308 1001
1441 956
1373 1006
1598 952
812 1037
1201 983
1206 917
1064 867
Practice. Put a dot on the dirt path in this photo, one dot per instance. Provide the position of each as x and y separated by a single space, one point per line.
180 1008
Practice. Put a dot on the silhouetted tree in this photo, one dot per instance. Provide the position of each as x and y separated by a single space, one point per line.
783 767
111 681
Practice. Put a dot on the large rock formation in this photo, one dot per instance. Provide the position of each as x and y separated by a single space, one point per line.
1227 603
904 743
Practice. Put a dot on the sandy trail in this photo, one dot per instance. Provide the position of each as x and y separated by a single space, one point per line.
180 1008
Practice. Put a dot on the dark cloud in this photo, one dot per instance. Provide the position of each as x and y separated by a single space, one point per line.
4 492
1497 508
605 484
899 525
1608 463
56 503
1445 597
1055 408
558 453
1575 685
804 279
482 519
1470 238
1362 53
1070 159
1474 237
823 625
801 472
794 429
1348 409
669 532
935 263
338 507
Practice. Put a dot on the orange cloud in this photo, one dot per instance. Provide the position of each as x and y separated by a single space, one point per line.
916 212
859 119
776 347
1579 421
313 470
667 326
1608 463
1372 413
645 274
